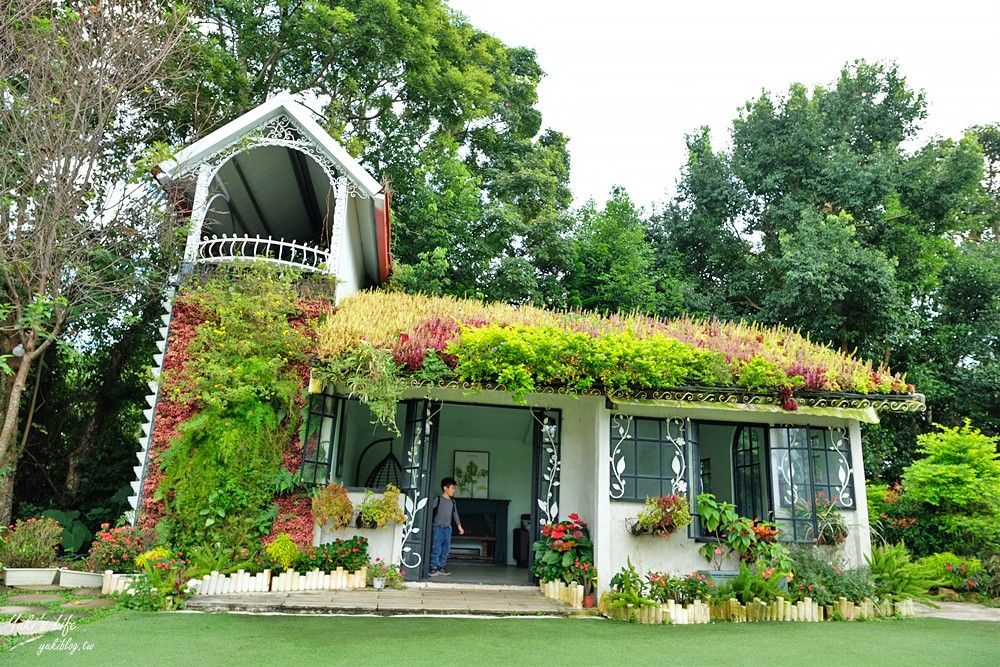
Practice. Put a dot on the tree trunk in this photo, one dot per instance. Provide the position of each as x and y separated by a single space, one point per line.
7 494
8 434
102 408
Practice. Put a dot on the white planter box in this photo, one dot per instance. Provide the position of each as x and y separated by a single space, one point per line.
30 576
79 579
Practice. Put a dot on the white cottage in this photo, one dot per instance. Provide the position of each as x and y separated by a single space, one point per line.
273 186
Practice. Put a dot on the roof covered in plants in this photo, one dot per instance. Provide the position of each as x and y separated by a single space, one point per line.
443 340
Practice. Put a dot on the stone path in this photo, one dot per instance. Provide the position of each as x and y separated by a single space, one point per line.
512 601
959 611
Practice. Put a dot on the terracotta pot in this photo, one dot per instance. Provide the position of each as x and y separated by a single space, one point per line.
588 601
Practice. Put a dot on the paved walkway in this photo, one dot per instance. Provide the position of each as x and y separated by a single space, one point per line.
958 611
487 601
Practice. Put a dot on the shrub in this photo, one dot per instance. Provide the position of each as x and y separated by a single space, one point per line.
955 572
350 554
895 576
683 590
283 551
31 543
751 583
817 578
117 548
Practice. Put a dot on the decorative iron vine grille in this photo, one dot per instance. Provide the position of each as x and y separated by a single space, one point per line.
648 457
807 462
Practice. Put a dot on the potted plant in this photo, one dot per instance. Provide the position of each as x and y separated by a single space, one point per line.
375 511
382 574
28 550
662 516
829 521
584 574
331 505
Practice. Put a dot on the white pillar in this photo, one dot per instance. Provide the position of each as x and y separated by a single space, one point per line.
199 209
339 226
860 534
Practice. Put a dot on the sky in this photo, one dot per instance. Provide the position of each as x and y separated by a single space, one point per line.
626 80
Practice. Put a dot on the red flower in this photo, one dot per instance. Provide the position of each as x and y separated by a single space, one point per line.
574 517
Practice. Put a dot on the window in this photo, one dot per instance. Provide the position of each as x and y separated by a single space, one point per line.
749 485
806 462
648 457
319 444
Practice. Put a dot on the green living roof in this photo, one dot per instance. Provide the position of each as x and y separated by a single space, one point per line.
460 342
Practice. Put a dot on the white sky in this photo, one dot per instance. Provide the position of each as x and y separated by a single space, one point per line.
626 79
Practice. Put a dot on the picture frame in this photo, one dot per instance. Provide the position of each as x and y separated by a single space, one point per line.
472 474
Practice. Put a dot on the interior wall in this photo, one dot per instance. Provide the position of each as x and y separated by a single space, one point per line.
716 443
358 433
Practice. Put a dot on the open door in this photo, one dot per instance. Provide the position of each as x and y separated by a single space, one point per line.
419 444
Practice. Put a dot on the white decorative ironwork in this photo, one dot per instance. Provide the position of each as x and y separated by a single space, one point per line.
548 505
247 248
840 444
283 131
617 457
678 485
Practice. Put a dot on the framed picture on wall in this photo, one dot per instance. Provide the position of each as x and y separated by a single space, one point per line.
472 474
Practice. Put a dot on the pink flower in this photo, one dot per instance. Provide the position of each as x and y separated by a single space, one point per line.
718 551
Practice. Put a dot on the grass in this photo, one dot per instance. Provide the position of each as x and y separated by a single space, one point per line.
228 639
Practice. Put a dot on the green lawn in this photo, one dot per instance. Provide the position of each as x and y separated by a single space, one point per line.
221 639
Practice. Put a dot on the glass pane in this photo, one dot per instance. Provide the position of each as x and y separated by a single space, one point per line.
648 461
647 488
647 429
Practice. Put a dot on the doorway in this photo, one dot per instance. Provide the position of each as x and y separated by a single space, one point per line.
505 461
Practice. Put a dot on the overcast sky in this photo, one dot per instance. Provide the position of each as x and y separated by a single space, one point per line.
627 79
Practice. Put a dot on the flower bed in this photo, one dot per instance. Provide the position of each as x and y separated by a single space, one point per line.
658 613
242 581
757 611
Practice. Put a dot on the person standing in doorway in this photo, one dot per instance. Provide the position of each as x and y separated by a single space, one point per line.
444 512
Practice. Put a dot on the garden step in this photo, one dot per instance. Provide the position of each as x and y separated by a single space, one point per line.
23 609
33 598
96 603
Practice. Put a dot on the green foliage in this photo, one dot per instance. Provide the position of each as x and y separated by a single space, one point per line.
220 474
730 533
117 548
628 588
369 373
751 583
949 500
75 532
378 511
816 577
955 572
283 551
30 543
895 576
523 358
207 558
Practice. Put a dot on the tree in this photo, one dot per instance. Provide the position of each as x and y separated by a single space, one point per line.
73 236
614 260
442 110
820 219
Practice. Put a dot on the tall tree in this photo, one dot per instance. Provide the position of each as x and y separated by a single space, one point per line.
72 236
817 217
